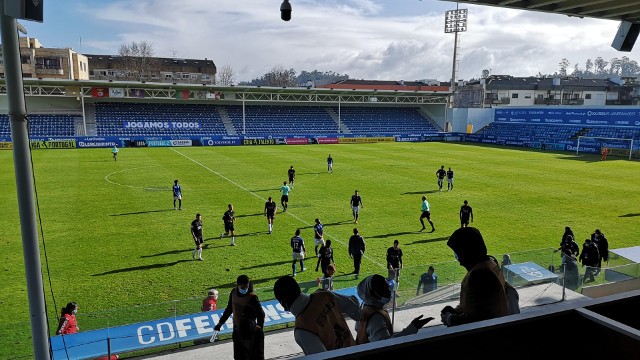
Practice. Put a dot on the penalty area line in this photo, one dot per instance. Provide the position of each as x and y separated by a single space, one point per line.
263 199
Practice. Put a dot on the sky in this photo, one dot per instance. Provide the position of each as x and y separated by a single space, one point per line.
366 39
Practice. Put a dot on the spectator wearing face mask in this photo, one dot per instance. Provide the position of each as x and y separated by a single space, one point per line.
209 303
248 320
375 323
68 324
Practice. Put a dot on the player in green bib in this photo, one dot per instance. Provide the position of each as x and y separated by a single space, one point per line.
284 200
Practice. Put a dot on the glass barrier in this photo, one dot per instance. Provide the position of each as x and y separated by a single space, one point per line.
533 273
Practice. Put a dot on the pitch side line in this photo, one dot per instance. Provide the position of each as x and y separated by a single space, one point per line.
263 199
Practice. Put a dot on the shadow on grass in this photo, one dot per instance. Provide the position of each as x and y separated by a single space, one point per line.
254 282
583 158
629 215
144 267
262 190
247 215
383 236
176 252
142 212
425 241
420 192
265 265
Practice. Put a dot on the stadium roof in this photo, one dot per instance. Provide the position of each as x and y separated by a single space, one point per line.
626 10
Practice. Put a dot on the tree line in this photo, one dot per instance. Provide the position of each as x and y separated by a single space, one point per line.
599 68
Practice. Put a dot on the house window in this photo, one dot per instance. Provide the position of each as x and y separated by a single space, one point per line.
587 96
514 95
111 73
48 63
527 96
168 76
206 77
25 59
185 76
540 96
194 76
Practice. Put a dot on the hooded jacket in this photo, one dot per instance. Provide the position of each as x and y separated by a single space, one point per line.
482 292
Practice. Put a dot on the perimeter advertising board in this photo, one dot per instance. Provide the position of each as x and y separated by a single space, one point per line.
350 140
591 117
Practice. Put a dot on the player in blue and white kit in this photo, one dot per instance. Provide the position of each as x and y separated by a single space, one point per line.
177 194
318 236
299 251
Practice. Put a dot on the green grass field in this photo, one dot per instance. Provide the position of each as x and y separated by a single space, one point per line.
114 240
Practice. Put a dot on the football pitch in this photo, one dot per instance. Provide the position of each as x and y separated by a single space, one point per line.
113 239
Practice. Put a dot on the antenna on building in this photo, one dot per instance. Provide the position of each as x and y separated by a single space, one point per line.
80 43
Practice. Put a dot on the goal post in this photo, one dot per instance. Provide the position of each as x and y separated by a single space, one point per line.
615 144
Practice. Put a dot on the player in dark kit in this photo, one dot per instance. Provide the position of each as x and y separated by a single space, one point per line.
449 180
292 176
229 227
270 209
298 251
330 164
394 260
465 213
356 203
441 173
196 232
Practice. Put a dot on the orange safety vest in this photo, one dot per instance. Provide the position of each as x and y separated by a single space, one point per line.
367 312
323 319
239 304
499 305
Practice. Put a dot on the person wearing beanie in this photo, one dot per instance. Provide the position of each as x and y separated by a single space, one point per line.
375 323
209 303
320 325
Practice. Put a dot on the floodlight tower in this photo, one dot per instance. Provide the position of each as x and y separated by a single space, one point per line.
455 21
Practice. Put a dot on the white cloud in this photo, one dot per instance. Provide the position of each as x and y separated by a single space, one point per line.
354 37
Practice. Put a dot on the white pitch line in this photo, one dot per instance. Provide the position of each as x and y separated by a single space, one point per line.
106 178
263 199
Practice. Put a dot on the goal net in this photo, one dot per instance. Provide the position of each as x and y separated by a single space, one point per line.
616 146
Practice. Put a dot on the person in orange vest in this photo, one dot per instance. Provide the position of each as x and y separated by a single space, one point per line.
375 323
320 325
482 292
248 320
604 153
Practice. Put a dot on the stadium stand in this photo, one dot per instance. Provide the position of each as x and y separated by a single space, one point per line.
110 118
280 120
385 120
551 133
43 125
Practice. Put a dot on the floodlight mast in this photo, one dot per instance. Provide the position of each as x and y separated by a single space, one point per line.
24 183
455 21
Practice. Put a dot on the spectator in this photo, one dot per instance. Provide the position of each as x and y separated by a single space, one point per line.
569 243
209 303
320 325
428 281
570 269
68 323
482 292
325 257
567 232
602 244
327 279
356 250
375 323
248 340
590 258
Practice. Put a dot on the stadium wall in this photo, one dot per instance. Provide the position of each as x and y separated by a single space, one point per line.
461 117
46 104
